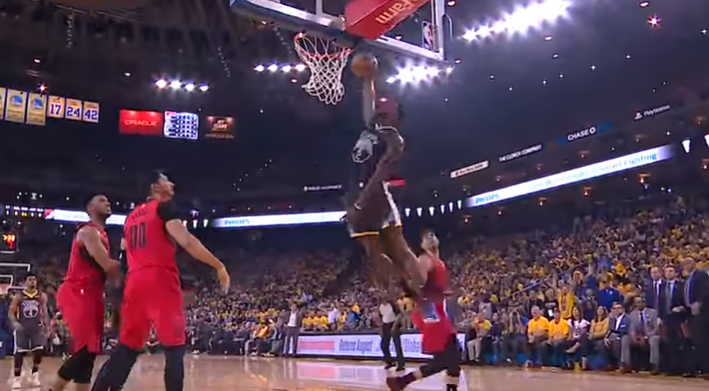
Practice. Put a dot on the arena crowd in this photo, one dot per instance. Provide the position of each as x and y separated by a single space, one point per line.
603 291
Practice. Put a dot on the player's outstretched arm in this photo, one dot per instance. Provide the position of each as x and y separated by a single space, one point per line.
91 238
197 250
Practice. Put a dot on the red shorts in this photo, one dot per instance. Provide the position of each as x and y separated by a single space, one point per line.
83 311
152 299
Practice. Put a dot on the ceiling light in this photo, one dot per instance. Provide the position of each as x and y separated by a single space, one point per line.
593 67
293 81
126 74
644 4
189 87
204 88
286 68
654 21
547 38
37 61
391 79
260 68
451 3
300 67
704 31
162 83
175 84
273 68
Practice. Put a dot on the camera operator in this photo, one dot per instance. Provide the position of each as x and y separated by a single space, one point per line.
390 314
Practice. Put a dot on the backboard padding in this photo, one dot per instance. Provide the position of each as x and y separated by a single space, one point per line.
322 17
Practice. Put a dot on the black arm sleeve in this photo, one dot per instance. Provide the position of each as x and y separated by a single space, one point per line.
168 211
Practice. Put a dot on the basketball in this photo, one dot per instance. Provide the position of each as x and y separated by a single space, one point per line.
364 65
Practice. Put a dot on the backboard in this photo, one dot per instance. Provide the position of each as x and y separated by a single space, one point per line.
422 35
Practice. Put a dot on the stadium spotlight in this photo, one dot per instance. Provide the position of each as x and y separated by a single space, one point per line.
273 67
300 67
189 87
260 68
204 88
162 83
175 84
522 19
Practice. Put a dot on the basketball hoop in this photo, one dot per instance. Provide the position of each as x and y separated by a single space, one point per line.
326 61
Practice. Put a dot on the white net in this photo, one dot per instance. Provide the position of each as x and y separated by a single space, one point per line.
326 61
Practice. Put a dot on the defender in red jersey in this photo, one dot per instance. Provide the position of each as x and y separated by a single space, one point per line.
438 333
80 296
153 296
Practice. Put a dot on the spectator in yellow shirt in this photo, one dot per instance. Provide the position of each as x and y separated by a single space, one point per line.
537 335
559 334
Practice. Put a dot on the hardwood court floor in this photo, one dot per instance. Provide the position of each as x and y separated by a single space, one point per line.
212 373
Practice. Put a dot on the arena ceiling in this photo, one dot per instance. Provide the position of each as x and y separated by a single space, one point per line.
520 76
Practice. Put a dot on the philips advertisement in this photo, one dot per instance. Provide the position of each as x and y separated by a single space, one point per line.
279 220
623 163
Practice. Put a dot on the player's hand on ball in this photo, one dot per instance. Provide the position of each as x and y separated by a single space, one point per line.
224 280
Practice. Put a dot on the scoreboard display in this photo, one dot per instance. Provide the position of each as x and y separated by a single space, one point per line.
9 243
181 125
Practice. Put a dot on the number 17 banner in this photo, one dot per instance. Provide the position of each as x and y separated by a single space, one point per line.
55 108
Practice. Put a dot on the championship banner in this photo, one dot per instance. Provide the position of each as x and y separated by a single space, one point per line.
91 112
3 93
37 110
74 109
220 128
16 106
55 108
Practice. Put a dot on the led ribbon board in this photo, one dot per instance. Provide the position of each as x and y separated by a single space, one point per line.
279 220
623 163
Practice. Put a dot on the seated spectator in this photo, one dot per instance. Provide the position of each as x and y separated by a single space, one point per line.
644 331
493 341
598 332
481 327
618 338
516 339
559 335
579 338
537 335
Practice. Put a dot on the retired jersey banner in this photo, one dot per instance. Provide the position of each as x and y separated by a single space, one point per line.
3 93
74 109
37 110
16 106
92 111
55 108
220 128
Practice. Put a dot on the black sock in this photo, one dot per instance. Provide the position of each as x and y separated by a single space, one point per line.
451 387
174 368
18 360
116 370
36 360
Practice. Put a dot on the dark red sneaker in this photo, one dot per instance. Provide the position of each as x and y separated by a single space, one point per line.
394 384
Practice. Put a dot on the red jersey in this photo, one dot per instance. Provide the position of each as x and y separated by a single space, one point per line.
84 272
147 242
430 316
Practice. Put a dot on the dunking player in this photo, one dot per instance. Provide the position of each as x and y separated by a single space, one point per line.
438 334
153 296
80 296
28 313
369 203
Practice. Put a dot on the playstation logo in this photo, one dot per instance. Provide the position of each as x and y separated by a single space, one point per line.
638 116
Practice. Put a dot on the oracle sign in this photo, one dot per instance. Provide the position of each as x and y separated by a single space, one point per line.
149 123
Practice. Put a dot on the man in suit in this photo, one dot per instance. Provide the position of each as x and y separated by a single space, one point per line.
618 338
645 331
654 289
696 293
672 314
294 322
